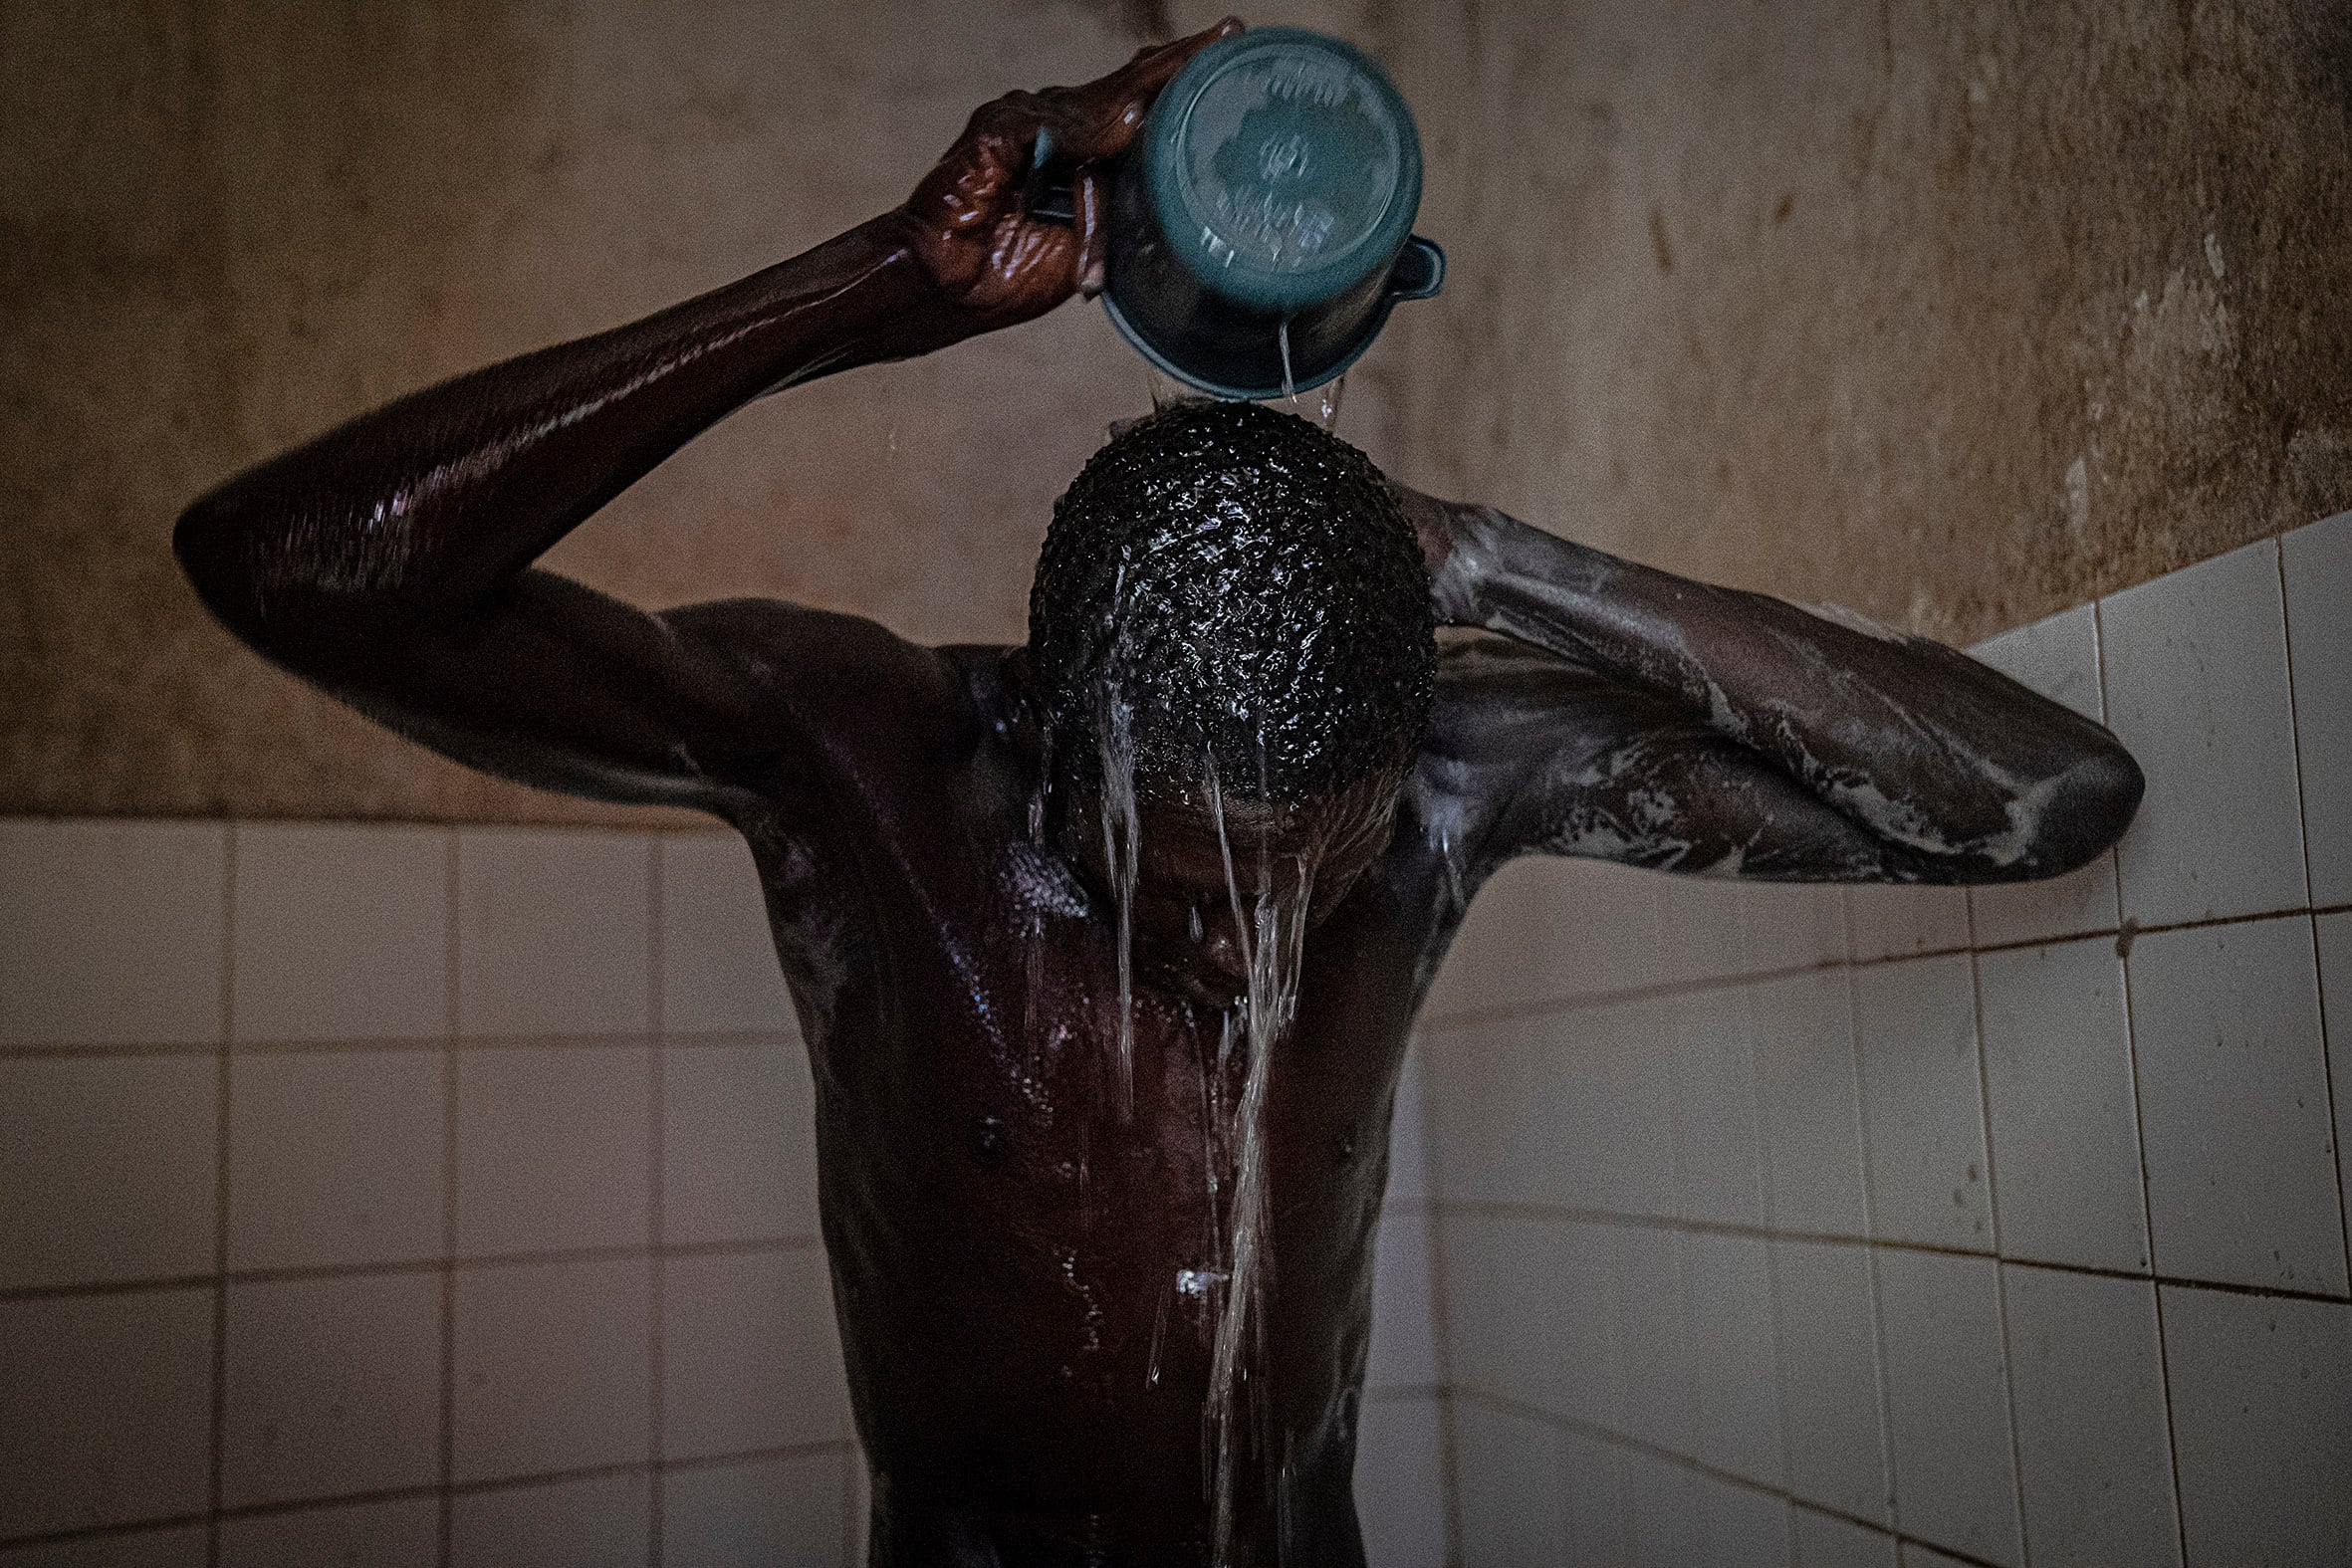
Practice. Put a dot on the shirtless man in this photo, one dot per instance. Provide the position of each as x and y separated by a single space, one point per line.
1029 1209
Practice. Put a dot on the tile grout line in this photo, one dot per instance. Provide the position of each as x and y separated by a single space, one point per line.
1611 1326
1514 1013
1402 1393
1768 1194
218 1417
1778 1376
379 1044
1595 1432
444 1543
425 1491
1568 1214
2326 1063
1889 1482
2131 1032
2001 1293
2008 1396
1441 1336
2328 1072
1678 1253
2294 726
656 1277
2131 1040
462 1264
850 1460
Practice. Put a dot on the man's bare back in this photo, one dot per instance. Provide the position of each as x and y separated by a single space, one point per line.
1030 1255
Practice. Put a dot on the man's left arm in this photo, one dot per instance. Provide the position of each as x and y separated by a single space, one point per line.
1769 740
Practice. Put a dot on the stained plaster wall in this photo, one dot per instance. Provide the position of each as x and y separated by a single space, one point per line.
1953 313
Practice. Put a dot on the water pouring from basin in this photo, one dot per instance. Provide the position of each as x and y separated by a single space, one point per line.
1262 230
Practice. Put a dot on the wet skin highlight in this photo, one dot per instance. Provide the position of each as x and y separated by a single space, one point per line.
1016 1254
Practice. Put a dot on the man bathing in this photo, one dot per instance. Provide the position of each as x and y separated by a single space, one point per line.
1046 910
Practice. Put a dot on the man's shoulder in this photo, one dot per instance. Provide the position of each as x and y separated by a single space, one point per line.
830 670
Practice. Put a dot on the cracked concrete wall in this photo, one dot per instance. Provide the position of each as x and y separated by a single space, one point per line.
1951 313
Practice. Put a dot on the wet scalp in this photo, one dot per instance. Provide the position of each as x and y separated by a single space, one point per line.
1247 585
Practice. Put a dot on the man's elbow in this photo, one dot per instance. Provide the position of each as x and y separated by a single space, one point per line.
280 580
206 543
2085 810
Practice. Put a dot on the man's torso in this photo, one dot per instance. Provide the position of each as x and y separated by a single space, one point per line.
1029 1267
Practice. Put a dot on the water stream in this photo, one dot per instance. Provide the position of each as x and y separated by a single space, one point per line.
1121 840
1327 411
1318 404
1273 947
1271 928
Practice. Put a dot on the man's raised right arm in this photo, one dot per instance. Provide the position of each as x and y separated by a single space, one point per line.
388 560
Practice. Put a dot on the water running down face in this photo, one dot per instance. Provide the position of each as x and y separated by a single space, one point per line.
1231 606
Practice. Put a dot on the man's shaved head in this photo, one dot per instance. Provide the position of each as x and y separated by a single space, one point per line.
1246 585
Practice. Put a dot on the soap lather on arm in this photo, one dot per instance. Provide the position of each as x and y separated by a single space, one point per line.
1736 733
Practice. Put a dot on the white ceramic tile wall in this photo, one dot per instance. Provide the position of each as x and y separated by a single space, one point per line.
1922 1102
2334 933
1824 1541
486 1156
1734 1356
2197 687
429 1046
112 932
2234 1105
2007 1229
336 1157
1399 1459
2094 1458
130 1142
554 932
330 1387
1947 1400
1512 1493
178 1546
1718 1156
391 1534
600 1521
1810 1100
2261 1424
2058 1091
741 1514
1830 1378
340 932
736 1164
554 1146
119 1389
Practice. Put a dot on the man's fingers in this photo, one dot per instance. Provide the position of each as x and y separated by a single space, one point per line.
1087 222
1153 67
1102 117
